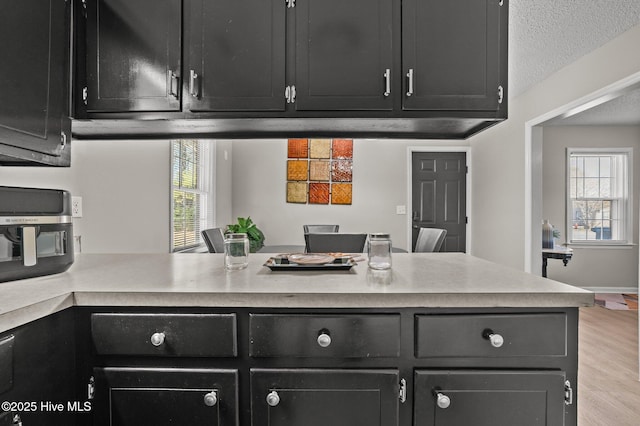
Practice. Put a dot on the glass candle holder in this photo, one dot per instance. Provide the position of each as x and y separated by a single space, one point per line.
236 251
379 251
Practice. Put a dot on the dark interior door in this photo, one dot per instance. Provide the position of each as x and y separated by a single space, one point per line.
452 50
324 397
133 55
34 48
343 55
439 194
489 398
236 55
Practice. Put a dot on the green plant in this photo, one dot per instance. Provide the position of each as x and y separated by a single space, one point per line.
246 226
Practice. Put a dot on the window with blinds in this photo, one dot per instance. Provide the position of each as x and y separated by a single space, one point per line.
189 193
599 196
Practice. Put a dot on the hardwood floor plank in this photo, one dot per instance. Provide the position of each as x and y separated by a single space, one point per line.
608 385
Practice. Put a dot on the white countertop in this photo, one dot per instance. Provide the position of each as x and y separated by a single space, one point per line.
199 280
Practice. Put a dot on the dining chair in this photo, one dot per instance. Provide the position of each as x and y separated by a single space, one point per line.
309 229
333 242
214 239
430 240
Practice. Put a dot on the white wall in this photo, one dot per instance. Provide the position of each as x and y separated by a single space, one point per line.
499 153
379 185
125 191
609 269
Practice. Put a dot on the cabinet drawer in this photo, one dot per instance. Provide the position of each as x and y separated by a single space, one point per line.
340 336
6 363
471 335
195 335
495 398
165 396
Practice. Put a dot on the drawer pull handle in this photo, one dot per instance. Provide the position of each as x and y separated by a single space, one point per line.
211 399
273 398
157 339
496 339
324 340
442 400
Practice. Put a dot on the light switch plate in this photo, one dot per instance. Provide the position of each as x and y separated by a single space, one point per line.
401 209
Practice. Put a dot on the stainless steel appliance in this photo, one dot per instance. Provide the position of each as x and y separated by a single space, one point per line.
36 232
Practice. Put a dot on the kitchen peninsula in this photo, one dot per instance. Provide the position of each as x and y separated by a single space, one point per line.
156 338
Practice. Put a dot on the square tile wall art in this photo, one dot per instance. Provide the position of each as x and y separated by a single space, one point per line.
320 171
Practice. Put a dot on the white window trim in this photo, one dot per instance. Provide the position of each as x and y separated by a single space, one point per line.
628 220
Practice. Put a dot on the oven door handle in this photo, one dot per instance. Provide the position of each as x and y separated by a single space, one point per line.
29 248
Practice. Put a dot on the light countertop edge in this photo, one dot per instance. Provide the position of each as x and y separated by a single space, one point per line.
427 280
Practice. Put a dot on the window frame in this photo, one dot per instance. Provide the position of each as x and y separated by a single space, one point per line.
204 189
626 222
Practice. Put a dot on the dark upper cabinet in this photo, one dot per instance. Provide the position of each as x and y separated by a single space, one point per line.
343 54
236 55
133 51
452 55
34 81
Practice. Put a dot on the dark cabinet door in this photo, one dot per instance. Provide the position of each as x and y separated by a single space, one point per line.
165 396
236 55
324 397
451 54
34 79
133 55
343 55
489 398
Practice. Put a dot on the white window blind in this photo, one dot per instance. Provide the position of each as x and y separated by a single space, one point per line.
599 196
189 192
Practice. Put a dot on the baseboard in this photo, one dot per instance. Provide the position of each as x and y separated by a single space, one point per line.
624 290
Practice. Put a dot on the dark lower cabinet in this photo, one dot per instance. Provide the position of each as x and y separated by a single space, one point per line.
165 397
489 398
324 397
35 127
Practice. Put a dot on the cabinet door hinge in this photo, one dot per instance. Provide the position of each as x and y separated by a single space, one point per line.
91 388
500 94
85 95
402 394
291 3
568 393
290 94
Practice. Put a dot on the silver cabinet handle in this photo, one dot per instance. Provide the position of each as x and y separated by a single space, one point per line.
387 82
442 400
495 339
273 399
174 84
211 399
410 82
193 77
324 340
157 339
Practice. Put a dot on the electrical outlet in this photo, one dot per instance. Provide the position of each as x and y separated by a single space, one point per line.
401 209
76 206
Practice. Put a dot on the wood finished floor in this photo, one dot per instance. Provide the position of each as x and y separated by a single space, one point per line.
608 386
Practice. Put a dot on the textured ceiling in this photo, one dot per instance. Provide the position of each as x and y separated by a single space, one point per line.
546 35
